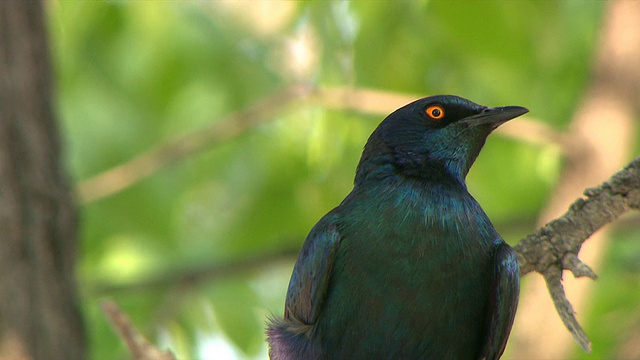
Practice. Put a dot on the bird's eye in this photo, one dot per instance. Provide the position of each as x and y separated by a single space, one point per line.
436 112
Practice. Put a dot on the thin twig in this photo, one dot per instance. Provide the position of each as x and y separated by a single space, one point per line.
146 164
139 346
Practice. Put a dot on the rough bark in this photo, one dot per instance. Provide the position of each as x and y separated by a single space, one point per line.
39 312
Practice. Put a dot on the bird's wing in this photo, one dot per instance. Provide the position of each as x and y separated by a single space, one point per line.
312 272
503 301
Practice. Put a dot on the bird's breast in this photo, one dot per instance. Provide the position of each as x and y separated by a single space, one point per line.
415 264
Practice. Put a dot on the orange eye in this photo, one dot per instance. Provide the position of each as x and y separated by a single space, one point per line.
436 112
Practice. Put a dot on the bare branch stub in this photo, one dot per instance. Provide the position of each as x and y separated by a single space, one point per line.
555 246
553 279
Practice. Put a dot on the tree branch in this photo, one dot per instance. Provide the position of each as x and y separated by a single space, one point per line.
555 246
146 164
367 101
195 276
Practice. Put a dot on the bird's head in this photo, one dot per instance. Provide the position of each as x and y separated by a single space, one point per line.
433 137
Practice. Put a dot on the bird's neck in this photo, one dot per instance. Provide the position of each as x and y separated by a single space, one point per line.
447 173
442 205
381 159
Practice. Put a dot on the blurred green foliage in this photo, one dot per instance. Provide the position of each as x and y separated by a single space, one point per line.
132 75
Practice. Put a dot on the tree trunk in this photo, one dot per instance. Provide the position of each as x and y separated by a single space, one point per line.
39 312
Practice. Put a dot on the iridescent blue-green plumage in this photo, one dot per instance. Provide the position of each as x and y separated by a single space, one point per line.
408 265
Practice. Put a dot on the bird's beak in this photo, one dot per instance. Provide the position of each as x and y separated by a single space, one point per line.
495 116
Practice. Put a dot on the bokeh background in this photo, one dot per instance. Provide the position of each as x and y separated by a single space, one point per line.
240 124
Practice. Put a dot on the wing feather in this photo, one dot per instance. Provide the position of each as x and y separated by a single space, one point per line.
503 301
291 337
312 272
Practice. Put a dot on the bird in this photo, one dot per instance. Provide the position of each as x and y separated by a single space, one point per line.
408 265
